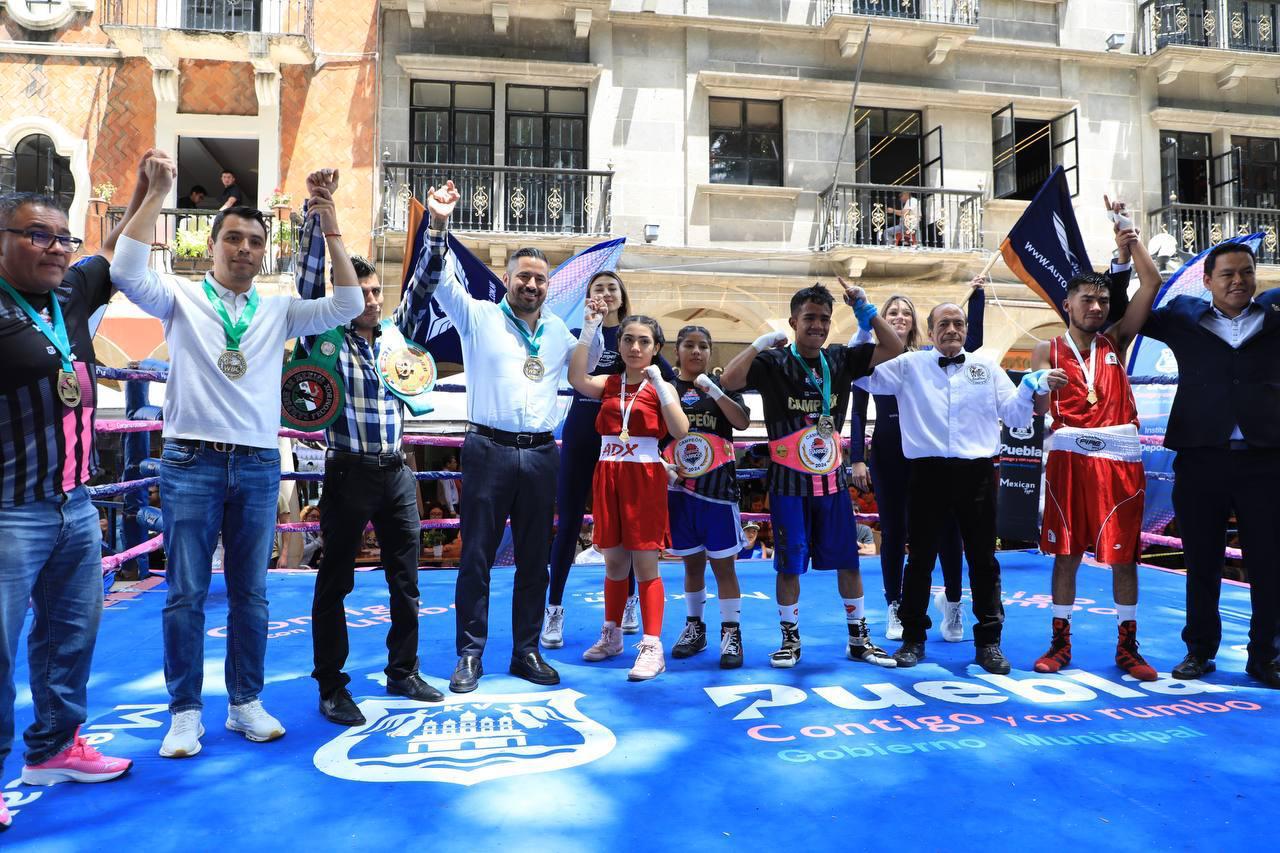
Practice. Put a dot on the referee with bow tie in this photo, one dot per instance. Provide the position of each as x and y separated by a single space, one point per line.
950 404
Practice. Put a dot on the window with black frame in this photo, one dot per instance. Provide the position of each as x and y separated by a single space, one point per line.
39 168
547 129
1184 167
746 141
236 16
451 127
1259 184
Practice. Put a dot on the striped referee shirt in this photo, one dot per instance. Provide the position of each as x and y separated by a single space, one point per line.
46 448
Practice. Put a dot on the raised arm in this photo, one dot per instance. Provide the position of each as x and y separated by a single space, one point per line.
1040 360
580 360
140 184
130 271
975 313
436 274
313 316
672 413
733 412
734 377
1139 308
888 344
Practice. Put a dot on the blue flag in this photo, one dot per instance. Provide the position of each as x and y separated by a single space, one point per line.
1044 247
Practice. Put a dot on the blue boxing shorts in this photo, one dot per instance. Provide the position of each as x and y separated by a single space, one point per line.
821 529
702 524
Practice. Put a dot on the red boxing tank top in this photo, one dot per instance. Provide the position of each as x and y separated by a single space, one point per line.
646 416
1069 406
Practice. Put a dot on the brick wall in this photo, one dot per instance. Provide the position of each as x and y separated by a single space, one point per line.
216 88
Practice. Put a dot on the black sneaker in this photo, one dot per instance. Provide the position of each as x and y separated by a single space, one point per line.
789 655
861 648
909 654
991 659
693 638
730 645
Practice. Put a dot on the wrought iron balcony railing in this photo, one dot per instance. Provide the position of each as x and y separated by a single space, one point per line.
521 199
963 12
1196 227
179 244
1224 24
268 17
878 215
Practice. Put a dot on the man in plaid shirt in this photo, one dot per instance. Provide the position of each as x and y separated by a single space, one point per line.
366 479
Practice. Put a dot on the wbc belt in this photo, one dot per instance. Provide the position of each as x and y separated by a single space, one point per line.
643 448
1119 443
807 451
699 453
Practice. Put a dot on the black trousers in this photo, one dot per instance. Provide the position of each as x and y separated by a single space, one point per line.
1210 485
505 482
940 490
355 494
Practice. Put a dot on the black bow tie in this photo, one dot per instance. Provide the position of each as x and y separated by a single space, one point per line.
943 360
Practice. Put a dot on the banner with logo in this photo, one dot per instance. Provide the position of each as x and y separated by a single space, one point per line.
1153 373
1044 247
1018 497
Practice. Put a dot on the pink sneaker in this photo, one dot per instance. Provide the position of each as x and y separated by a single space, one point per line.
79 762
5 819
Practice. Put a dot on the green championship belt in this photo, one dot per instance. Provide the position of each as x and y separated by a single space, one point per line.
311 394
406 369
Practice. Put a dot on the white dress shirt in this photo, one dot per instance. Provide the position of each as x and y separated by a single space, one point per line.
499 395
952 412
1235 331
200 402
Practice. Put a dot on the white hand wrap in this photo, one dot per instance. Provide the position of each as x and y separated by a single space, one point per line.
769 340
711 389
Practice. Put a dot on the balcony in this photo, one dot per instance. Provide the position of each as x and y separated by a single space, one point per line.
230 30
963 12
1230 38
505 199
180 242
940 220
1196 227
938 26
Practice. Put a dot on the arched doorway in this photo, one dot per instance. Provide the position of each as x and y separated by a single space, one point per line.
39 168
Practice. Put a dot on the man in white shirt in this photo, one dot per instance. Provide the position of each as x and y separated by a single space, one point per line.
950 404
516 355
220 469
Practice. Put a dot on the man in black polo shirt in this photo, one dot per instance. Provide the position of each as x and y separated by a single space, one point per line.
1225 426
232 195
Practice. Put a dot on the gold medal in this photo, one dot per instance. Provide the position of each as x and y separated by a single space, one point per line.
1092 397
534 368
624 436
232 363
68 386
826 426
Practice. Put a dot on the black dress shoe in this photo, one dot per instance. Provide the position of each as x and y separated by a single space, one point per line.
340 708
990 658
466 675
1193 666
1265 673
531 667
414 688
909 654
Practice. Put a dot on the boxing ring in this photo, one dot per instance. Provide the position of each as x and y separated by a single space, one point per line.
821 756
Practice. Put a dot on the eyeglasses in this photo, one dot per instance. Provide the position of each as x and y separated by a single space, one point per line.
45 240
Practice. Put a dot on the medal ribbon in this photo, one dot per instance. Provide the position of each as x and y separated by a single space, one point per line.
824 387
1088 370
622 400
532 342
234 331
57 334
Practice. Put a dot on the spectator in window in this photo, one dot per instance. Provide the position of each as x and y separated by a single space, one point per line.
907 231
194 197
232 195
449 492
866 541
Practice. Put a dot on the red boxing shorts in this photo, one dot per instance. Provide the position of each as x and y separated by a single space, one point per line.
1094 495
629 496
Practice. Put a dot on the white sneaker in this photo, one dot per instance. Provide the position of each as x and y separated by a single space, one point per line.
893 625
183 739
253 721
649 662
952 619
553 628
608 646
631 616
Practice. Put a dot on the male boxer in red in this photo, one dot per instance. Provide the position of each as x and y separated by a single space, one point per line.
1094 481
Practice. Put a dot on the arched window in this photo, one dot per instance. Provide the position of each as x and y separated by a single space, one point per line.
39 168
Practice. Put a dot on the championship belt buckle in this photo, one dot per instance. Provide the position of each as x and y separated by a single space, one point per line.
407 370
818 453
693 455
311 397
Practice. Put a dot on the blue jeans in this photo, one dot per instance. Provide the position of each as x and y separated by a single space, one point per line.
204 492
52 559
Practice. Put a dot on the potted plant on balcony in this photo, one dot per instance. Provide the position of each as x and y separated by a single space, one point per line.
190 249
281 204
284 239
101 199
